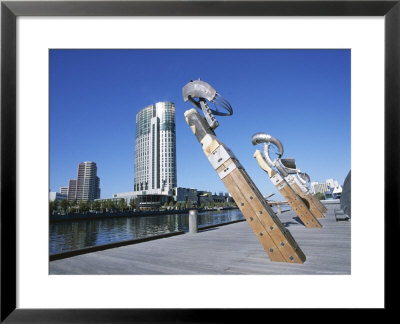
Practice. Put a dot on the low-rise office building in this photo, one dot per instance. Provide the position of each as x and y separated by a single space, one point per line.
57 196
181 194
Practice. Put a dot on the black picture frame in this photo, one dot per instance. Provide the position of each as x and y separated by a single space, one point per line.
10 10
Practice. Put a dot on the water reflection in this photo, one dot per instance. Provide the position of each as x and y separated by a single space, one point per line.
66 236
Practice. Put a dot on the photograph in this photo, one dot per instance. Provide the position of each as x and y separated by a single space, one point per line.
199 161
193 161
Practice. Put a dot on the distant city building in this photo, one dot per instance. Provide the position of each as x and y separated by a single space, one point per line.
205 197
57 196
317 187
126 195
337 192
330 188
145 202
64 190
87 184
199 197
185 194
71 189
116 197
178 194
155 150
333 192
332 183
221 198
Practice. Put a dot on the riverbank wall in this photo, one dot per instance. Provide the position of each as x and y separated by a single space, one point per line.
109 215
102 247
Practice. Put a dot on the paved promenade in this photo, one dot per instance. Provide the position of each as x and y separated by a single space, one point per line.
230 250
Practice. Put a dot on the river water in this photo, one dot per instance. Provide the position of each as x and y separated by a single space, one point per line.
67 236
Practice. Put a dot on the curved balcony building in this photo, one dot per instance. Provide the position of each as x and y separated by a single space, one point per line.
155 150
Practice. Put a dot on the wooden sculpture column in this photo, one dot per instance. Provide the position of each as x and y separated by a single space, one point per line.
273 236
306 196
295 202
319 204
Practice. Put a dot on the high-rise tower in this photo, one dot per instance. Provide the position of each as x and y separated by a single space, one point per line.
155 149
87 184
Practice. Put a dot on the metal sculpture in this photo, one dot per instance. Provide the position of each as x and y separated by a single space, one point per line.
299 181
205 92
273 236
281 175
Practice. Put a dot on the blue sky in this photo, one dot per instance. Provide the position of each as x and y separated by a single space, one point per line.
302 97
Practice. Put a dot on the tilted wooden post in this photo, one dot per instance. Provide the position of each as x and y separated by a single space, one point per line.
295 202
319 204
273 236
307 196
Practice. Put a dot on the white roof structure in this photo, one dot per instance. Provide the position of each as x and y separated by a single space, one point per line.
337 189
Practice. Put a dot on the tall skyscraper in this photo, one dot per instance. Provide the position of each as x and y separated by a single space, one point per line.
71 195
87 184
155 150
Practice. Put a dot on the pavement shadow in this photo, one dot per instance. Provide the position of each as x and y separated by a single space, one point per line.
298 220
206 229
287 224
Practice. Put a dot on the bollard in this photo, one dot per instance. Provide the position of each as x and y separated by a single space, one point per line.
193 221
279 209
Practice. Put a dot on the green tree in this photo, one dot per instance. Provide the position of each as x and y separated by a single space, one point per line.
103 204
122 204
106 205
64 204
87 205
137 203
83 206
171 203
132 204
189 204
73 204
53 206
96 205
112 205
320 196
